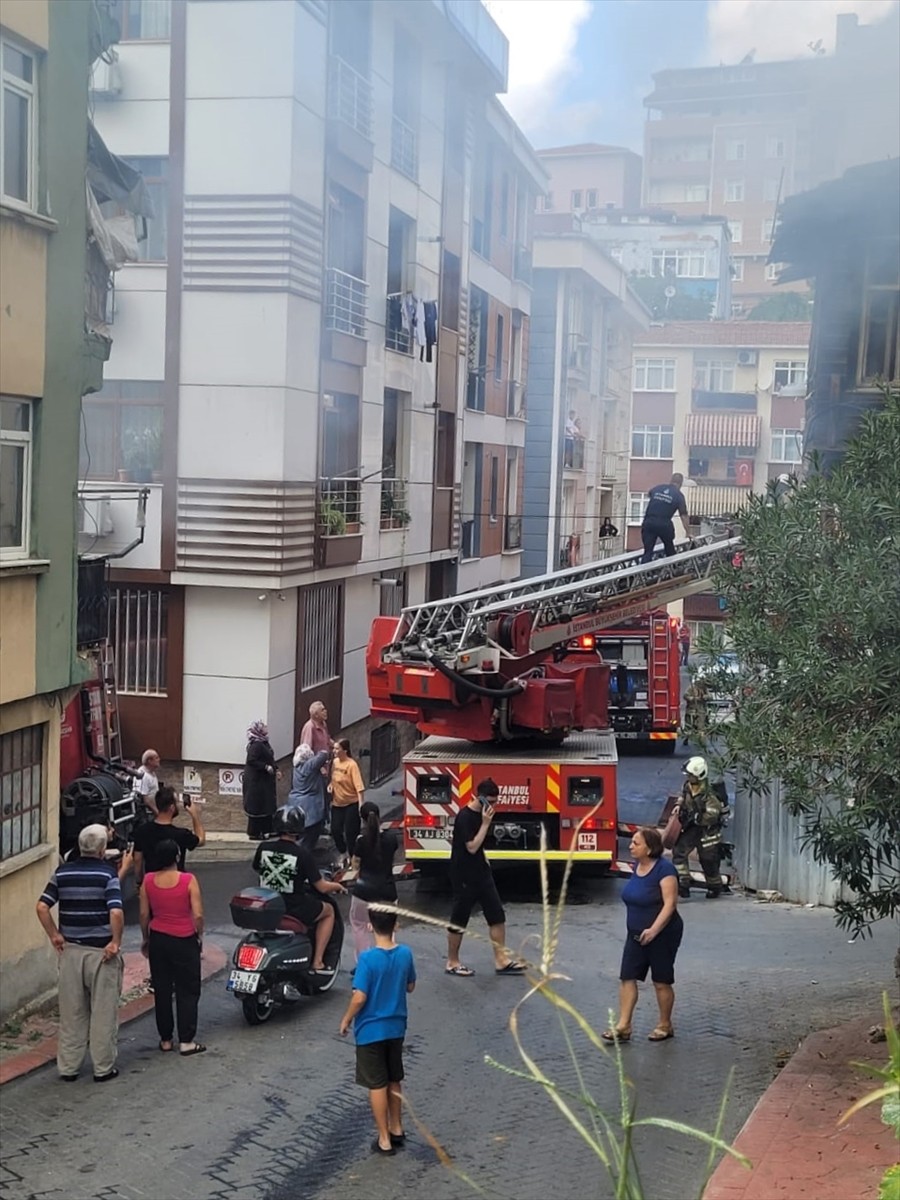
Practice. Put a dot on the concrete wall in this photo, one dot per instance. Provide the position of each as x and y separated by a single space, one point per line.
540 496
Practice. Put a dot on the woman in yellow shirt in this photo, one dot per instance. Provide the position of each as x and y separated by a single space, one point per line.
346 789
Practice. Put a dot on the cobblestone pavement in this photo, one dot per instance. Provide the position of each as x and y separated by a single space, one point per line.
273 1113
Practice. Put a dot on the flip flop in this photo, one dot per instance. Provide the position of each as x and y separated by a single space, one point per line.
511 968
460 970
376 1149
197 1048
398 1139
661 1035
164 1048
615 1035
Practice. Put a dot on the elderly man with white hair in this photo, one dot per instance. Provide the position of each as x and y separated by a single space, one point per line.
87 940
307 792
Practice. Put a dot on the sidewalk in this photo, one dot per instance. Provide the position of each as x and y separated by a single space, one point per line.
792 1137
38 1044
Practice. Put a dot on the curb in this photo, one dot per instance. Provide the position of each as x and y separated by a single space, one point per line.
35 1057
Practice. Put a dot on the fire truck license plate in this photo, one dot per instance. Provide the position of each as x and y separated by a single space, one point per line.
587 841
422 835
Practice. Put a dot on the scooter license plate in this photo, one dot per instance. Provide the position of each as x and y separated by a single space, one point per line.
243 981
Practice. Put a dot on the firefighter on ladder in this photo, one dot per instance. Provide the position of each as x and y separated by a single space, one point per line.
702 811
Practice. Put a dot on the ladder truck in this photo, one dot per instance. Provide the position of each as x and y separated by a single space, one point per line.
499 683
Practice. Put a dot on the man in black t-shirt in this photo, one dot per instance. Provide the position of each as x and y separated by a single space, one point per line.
473 883
164 829
666 499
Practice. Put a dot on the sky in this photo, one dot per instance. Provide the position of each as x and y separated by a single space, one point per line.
579 69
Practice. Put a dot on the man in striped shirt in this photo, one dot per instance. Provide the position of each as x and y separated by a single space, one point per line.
91 923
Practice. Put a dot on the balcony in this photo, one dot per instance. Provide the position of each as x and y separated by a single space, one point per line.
573 458
715 501
515 400
522 265
350 97
475 389
395 336
345 303
394 511
609 466
732 430
569 550
512 533
338 522
480 30
404 149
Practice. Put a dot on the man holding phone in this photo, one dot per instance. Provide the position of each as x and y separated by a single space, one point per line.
148 837
473 883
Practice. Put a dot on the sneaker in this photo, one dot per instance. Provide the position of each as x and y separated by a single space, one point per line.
291 992
713 893
684 893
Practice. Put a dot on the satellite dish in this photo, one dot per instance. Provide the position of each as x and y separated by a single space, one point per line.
669 292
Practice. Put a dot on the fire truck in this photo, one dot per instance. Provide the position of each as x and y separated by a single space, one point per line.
506 683
645 678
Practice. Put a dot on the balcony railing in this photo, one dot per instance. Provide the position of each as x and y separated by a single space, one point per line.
522 268
570 550
394 504
395 336
350 97
573 459
404 148
345 303
512 533
609 465
339 507
515 399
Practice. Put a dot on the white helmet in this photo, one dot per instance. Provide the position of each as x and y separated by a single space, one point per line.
696 767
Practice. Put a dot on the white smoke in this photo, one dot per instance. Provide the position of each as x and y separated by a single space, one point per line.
778 29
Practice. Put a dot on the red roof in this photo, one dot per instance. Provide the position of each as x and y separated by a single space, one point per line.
726 333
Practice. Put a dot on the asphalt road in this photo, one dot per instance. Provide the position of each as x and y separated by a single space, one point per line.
273 1113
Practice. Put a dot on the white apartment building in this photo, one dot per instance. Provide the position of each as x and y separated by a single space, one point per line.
326 329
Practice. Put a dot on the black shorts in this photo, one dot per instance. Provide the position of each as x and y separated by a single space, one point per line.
305 908
379 1063
658 957
467 895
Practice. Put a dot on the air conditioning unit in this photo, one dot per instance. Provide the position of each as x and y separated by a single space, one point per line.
106 78
96 516
748 358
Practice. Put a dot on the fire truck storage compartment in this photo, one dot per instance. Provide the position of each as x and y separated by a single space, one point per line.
434 789
545 704
591 680
522 831
585 791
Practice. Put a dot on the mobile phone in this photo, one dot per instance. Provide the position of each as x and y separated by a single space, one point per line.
186 800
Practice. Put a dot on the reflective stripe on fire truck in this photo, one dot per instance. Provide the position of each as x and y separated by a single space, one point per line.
553 787
522 855
656 736
465 784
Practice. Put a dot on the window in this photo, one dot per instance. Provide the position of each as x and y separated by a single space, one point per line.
498 349
654 374
445 453
775 146
592 198
737 307
789 372
773 270
712 376
15 477
787 446
737 270
696 193
674 192
392 596
21 790
18 156
735 149
710 401
679 150
768 228
576 200
145 20
637 504
152 247
734 191
736 229
450 286
494 495
139 632
771 189
879 335
548 202
686 264
504 205
476 349
651 441
118 436
321 635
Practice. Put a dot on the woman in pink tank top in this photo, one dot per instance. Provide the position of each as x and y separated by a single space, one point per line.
172 925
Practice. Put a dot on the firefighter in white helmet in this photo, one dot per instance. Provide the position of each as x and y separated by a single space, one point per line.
702 810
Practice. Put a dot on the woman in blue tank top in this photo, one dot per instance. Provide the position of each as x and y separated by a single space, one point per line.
654 931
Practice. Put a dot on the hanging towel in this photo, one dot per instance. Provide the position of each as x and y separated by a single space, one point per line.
408 316
431 310
420 324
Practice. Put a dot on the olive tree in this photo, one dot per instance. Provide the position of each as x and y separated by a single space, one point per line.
813 610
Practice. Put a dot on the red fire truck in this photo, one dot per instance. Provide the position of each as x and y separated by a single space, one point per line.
500 684
645 678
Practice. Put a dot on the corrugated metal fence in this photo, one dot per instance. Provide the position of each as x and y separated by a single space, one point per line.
768 852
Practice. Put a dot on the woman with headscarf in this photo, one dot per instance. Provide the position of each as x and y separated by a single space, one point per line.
306 791
260 773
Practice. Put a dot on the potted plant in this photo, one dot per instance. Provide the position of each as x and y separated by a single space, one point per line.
141 452
332 520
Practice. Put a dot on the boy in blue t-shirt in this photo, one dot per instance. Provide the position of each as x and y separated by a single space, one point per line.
383 978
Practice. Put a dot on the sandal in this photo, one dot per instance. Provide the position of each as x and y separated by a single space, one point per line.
460 970
398 1139
660 1035
378 1149
166 1049
616 1035
197 1048
511 968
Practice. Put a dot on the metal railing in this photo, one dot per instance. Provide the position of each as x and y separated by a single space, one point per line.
573 458
609 465
345 303
339 507
395 336
350 97
404 148
512 533
394 508
515 399
522 264
570 550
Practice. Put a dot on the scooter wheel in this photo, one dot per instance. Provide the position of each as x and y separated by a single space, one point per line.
258 1008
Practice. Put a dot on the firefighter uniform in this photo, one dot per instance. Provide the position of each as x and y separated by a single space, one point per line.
702 814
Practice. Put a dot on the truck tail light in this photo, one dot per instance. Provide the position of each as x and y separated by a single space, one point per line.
597 825
422 821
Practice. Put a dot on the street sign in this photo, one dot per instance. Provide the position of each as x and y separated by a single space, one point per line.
231 781
192 783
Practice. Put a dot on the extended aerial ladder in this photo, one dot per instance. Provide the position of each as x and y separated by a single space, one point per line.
487 665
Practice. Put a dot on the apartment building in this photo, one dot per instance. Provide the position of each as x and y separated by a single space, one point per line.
591 177
737 140
723 402
47 361
319 367
584 318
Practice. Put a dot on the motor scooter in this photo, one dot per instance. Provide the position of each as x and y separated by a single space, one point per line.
273 962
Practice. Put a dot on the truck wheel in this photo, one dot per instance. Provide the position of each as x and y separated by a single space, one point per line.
258 1008
668 746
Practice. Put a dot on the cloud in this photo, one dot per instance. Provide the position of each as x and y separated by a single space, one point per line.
780 29
542 38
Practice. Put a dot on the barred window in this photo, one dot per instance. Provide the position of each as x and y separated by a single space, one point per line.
139 632
21 790
321 635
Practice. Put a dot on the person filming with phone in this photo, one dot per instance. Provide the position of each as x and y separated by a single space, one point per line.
473 883
148 837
